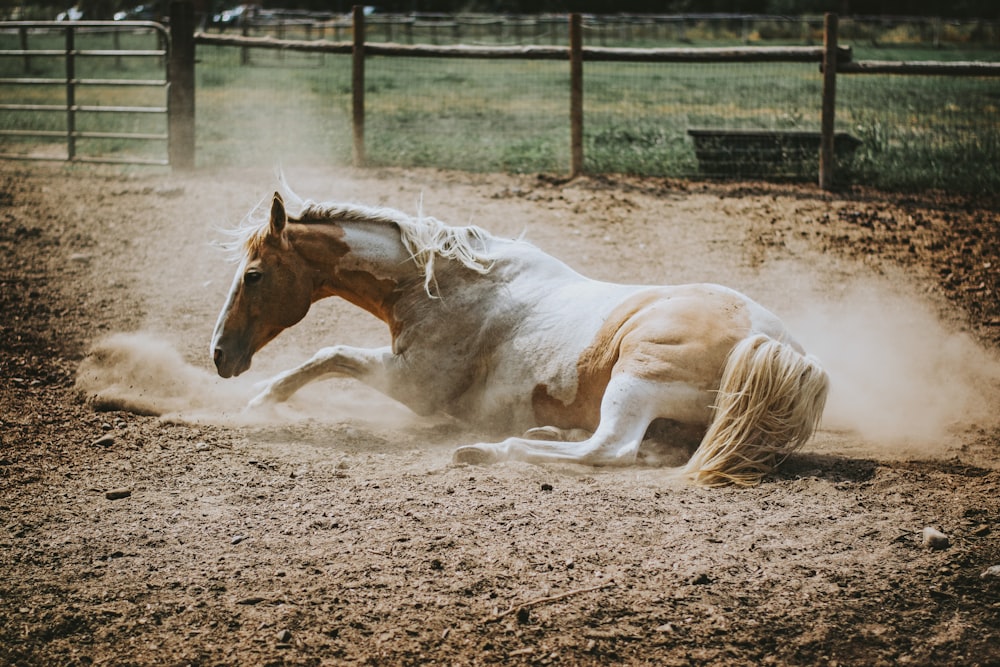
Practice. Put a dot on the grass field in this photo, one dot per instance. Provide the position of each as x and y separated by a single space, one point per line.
274 107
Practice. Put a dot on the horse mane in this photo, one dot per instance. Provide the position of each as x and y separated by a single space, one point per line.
424 237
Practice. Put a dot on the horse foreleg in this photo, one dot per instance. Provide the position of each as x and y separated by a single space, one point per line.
370 366
628 406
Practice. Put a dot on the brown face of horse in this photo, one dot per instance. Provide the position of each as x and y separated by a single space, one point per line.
271 292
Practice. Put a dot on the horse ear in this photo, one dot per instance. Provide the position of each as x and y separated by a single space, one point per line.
278 215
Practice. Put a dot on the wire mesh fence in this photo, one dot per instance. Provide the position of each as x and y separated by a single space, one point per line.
923 131
685 120
469 114
257 106
506 115
732 120
648 118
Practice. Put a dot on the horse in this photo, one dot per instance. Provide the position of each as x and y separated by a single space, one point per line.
505 337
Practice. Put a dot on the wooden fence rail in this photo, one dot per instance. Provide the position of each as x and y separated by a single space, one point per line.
833 58
576 54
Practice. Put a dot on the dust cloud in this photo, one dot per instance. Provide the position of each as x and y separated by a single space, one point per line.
141 373
900 378
144 373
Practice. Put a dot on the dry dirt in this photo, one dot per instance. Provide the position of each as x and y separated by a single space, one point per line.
340 532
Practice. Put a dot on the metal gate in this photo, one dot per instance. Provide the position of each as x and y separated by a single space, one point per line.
87 86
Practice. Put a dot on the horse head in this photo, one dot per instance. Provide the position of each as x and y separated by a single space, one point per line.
271 291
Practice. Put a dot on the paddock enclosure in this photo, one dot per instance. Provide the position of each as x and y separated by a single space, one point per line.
914 101
145 519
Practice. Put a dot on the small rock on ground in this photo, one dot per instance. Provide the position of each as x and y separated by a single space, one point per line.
935 539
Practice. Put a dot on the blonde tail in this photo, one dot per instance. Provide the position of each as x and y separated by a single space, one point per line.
769 403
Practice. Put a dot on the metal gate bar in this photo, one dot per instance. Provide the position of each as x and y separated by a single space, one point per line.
72 83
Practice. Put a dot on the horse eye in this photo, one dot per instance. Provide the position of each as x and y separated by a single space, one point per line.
251 277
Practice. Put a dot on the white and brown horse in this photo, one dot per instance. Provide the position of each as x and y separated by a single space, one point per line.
505 337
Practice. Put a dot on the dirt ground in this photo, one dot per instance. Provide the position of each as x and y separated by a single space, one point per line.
341 533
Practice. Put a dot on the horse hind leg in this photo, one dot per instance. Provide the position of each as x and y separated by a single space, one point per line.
627 408
553 433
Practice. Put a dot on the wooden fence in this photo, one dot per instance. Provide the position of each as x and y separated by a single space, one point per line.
831 57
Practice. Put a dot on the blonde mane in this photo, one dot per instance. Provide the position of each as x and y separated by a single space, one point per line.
425 238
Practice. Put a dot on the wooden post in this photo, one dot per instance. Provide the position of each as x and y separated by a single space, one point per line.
244 22
827 125
358 86
576 94
180 96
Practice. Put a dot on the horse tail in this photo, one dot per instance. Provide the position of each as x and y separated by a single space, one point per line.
769 403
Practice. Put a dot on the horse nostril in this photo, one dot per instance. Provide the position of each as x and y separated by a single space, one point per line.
219 356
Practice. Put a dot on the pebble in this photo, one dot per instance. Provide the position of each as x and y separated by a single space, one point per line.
237 539
991 573
935 539
104 441
285 636
117 494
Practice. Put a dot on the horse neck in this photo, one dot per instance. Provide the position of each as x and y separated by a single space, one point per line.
363 263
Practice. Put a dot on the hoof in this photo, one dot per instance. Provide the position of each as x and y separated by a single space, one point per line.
474 455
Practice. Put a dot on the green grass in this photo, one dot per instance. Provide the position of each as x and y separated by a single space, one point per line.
513 116
508 115
467 114
923 132
288 111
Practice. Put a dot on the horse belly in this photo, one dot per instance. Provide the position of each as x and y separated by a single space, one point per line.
541 359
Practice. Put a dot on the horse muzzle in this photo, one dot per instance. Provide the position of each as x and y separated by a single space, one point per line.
227 364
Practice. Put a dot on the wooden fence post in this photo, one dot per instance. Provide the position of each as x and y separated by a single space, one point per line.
180 95
358 86
576 94
827 125
244 22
